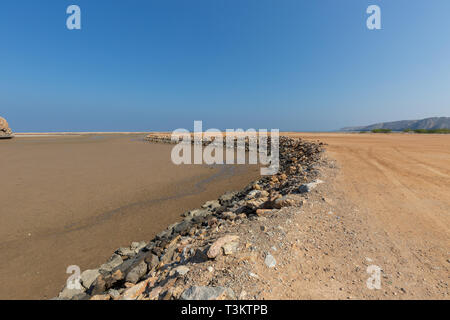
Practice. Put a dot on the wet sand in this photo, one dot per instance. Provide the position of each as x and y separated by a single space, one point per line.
73 200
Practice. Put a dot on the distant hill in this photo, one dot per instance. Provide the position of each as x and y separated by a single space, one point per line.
428 124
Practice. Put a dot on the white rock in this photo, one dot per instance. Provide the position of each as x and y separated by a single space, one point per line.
309 186
181 270
88 277
270 261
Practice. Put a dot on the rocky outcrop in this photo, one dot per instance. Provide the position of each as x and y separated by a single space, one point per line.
161 268
424 124
5 131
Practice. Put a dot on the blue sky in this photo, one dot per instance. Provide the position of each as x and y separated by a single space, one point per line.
143 65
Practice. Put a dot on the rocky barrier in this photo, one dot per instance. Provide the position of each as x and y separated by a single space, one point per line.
5 130
173 264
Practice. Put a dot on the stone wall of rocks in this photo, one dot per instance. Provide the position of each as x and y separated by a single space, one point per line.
156 269
5 130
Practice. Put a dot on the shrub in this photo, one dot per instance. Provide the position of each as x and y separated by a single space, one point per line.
442 131
381 130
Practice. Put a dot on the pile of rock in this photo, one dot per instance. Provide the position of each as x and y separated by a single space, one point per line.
158 269
5 131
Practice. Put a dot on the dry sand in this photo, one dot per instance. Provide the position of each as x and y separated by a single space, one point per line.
385 203
390 198
404 179
400 184
73 200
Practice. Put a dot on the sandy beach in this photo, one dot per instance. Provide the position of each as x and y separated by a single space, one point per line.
74 199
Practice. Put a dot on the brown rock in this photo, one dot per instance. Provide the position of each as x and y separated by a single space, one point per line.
152 261
5 131
99 286
154 293
101 297
256 204
135 291
285 202
263 212
207 293
199 257
230 248
229 215
216 247
117 275
137 272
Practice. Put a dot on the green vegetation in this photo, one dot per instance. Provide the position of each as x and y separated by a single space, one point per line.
381 131
436 131
442 131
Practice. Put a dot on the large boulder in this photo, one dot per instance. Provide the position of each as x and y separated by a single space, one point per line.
5 131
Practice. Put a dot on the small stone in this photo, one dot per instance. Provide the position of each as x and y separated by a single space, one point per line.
88 277
181 270
135 291
170 254
114 294
182 226
214 204
102 284
284 202
229 215
308 187
210 269
137 246
117 275
270 261
263 212
67 294
227 198
230 248
199 256
152 261
254 194
126 252
115 261
154 293
137 272
215 248
207 293
242 216
101 297
256 203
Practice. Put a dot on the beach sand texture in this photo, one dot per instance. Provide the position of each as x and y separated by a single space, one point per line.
73 200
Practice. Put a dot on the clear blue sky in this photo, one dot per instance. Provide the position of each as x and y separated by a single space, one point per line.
161 64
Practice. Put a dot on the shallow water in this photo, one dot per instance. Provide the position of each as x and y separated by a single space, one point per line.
73 200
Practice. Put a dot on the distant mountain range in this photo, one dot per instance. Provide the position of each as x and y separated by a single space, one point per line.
428 124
